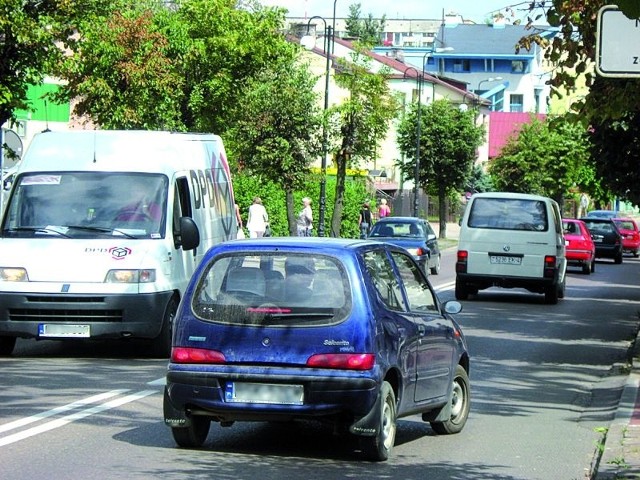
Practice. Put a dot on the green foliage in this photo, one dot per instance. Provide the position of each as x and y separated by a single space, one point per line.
273 198
449 139
479 181
545 158
367 30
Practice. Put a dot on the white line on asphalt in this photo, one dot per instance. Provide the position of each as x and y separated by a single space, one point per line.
64 408
445 286
73 417
159 381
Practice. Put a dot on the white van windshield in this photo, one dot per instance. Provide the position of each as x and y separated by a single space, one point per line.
509 214
87 205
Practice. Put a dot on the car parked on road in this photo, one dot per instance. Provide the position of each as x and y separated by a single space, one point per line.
413 234
602 213
349 331
628 228
580 249
606 238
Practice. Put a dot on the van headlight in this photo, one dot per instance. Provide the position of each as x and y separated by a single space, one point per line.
131 276
13 274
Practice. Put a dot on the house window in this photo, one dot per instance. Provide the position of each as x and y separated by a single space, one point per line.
517 66
515 103
460 65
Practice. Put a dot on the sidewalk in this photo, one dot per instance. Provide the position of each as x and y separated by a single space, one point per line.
621 455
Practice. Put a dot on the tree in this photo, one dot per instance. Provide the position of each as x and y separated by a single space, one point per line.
278 128
360 123
122 76
30 32
367 30
449 139
545 158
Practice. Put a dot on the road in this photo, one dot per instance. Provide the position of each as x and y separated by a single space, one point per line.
545 380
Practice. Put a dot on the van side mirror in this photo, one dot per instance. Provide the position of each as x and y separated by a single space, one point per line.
189 234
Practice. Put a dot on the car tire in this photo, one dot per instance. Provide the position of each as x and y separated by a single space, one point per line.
460 405
7 344
194 435
462 292
562 287
618 259
593 265
435 270
551 294
636 254
161 345
586 268
378 447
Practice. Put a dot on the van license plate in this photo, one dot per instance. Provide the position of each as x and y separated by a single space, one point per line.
64 331
264 393
504 260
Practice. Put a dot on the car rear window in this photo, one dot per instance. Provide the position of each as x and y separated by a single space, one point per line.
273 289
625 224
509 214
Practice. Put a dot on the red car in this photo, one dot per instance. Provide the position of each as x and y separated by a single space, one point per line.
630 235
580 249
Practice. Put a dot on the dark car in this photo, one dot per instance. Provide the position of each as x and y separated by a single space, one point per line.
347 331
628 228
580 249
602 213
413 234
606 237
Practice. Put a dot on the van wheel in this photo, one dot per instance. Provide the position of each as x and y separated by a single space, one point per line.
462 293
460 405
379 446
435 270
562 287
161 345
194 435
7 344
551 294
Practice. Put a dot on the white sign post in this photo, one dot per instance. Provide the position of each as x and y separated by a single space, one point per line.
618 37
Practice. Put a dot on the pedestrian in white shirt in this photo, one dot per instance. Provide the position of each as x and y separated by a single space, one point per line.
305 219
258 219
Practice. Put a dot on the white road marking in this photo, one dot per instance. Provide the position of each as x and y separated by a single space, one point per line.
74 416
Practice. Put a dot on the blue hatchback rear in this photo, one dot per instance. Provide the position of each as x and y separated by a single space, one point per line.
346 331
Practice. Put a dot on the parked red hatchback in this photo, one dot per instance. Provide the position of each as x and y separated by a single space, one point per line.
630 235
580 249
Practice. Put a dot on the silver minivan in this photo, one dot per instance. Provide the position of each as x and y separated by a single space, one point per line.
511 240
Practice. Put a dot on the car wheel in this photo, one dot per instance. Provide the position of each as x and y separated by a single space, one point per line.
586 268
460 405
593 265
7 344
618 259
194 435
551 294
435 270
636 253
379 446
161 345
462 293
562 287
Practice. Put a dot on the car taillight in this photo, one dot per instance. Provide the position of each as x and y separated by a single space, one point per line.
549 266
196 355
461 264
346 361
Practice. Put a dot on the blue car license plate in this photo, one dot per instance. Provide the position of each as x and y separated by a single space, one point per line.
246 392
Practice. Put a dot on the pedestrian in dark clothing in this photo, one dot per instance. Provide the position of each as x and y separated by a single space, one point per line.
365 220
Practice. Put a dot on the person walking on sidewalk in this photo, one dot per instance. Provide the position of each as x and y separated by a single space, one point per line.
383 209
304 222
258 219
365 220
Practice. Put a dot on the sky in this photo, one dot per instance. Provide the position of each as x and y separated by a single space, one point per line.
475 10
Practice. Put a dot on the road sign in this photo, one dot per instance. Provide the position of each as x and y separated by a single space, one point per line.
618 36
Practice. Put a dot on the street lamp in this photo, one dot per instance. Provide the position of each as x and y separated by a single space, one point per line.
416 174
490 79
322 206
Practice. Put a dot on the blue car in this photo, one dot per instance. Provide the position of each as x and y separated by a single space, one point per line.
349 331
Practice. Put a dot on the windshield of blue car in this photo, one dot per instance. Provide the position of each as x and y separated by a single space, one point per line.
273 289
397 229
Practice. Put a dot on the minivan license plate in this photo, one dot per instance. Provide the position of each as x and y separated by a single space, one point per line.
64 331
245 392
505 260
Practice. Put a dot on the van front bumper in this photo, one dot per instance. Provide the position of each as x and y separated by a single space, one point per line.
107 315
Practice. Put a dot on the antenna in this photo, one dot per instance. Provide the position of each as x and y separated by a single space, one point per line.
46 116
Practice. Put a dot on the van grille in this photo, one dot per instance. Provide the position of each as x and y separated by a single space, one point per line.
64 314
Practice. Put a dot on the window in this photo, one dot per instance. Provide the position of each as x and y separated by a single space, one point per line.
515 103
509 214
461 65
384 280
518 66
419 295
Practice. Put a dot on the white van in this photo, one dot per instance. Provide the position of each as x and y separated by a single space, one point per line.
103 229
511 240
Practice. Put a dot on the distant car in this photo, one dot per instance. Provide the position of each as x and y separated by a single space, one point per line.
602 213
628 228
415 235
606 238
580 249
347 331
